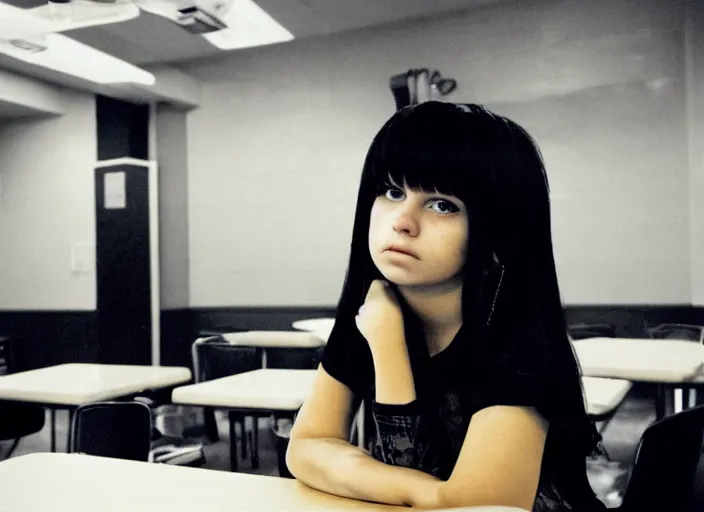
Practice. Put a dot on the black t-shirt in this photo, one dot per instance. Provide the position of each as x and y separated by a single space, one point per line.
563 484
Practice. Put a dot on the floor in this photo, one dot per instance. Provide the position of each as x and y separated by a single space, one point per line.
608 478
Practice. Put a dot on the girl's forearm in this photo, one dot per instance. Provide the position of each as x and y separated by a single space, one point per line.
337 467
393 376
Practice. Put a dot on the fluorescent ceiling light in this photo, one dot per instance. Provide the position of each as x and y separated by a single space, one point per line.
248 25
68 56
59 17
85 13
29 36
16 23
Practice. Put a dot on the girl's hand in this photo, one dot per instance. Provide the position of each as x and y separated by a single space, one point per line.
380 319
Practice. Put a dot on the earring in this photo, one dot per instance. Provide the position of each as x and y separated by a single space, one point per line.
496 295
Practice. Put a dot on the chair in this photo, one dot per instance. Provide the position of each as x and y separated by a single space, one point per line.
171 449
685 332
120 430
586 330
19 420
664 473
214 358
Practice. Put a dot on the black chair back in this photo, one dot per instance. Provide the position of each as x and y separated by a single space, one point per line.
294 358
215 358
18 420
664 473
120 430
582 331
685 332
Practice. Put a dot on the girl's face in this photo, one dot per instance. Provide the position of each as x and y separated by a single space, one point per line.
431 228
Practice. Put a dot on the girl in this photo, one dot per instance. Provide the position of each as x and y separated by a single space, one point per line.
450 325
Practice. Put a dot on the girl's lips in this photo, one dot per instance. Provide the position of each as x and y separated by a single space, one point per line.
401 250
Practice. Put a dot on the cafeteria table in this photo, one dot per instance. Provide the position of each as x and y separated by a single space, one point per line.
669 364
275 391
319 326
67 386
63 482
282 392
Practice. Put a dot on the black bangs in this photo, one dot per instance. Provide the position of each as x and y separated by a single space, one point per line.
435 146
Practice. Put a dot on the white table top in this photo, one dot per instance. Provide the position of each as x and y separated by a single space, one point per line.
321 327
80 383
648 360
73 482
604 395
267 389
274 339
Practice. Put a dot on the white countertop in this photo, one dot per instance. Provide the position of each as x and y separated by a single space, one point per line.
60 482
80 383
649 360
267 389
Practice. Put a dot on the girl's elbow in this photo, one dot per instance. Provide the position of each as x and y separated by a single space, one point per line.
293 456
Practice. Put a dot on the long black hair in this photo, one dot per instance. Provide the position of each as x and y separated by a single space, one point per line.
513 319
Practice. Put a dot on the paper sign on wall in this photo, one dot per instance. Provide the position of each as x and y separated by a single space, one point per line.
115 196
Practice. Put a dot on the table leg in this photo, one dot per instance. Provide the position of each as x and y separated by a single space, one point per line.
659 402
233 440
692 397
243 439
255 442
52 426
69 430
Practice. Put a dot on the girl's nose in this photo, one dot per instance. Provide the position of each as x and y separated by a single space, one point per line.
405 223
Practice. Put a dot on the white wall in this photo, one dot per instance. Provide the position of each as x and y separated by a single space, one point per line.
276 149
171 151
695 111
47 204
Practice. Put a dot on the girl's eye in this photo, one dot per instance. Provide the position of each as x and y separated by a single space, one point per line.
391 191
441 206
445 207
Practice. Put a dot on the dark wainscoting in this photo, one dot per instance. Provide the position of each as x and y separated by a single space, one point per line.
46 338
53 337
632 321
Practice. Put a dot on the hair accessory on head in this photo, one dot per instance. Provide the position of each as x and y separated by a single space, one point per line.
464 108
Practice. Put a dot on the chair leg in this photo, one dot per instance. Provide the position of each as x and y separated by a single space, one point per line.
244 436
660 402
70 431
233 440
52 426
210 425
14 445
